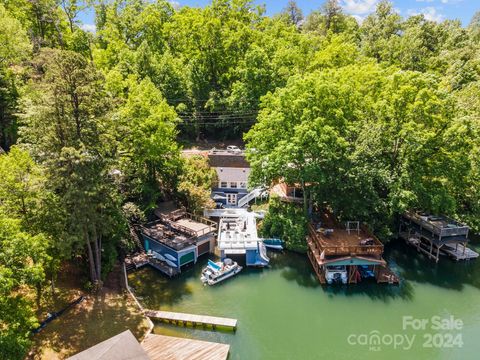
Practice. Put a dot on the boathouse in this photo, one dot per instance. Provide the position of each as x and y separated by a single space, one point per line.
179 238
237 236
350 248
436 235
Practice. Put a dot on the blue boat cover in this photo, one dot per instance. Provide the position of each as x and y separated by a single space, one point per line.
213 265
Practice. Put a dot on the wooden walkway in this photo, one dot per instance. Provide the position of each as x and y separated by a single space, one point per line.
459 252
160 347
140 260
194 320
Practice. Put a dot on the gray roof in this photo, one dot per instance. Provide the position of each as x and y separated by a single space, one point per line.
228 160
123 346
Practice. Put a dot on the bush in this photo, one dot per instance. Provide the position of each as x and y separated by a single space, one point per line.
287 222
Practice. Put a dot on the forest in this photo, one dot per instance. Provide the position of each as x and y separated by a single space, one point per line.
371 118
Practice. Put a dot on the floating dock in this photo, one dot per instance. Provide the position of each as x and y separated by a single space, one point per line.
194 320
459 252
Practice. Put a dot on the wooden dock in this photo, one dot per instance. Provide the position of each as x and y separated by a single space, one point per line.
140 260
459 252
161 347
194 320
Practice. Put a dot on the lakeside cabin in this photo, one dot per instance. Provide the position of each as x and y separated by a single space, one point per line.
352 249
436 235
232 168
178 239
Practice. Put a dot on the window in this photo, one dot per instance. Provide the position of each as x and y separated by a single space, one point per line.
233 185
231 199
223 184
242 185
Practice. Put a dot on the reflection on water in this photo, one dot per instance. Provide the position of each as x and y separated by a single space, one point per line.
284 313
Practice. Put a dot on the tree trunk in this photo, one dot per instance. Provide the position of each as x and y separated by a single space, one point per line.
305 200
52 282
98 253
91 261
39 294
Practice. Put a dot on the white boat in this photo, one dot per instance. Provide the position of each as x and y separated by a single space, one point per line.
217 272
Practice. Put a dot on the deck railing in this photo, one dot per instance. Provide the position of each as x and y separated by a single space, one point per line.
460 230
326 246
176 215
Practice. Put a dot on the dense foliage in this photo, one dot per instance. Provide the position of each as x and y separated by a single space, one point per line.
370 118
287 222
195 184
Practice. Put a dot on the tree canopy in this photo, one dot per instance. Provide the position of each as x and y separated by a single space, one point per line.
370 118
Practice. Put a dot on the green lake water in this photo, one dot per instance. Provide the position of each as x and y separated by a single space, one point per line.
284 313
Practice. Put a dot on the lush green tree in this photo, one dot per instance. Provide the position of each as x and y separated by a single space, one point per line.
66 129
382 136
23 259
287 222
330 18
14 44
196 182
146 134
379 30
292 13
43 19
14 48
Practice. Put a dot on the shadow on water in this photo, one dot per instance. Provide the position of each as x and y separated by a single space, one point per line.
447 273
296 267
152 287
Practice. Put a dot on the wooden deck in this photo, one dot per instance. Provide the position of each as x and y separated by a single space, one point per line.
333 239
161 347
142 259
194 320
459 252
382 273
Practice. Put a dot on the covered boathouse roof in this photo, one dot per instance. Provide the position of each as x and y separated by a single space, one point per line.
120 347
